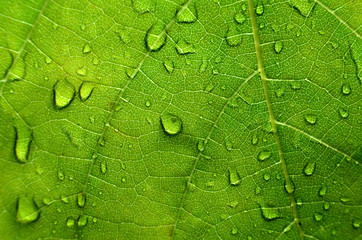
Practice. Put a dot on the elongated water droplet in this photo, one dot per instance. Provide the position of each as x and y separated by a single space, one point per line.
343 112
63 94
270 213
168 64
70 222
278 46
86 48
264 155
346 89
171 123
233 37
203 65
289 188
22 144
103 167
310 118
239 17
259 9
254 140
201 145
318 216
234 177
82 221
156 37
85 90
322 191
345 199
18 70
187 15
257 190
299 202
81 199
183 47
27 210
209 87
309 168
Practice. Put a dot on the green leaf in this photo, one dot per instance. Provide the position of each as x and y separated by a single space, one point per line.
155 119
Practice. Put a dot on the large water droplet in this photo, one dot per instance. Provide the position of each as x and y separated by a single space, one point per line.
233 37
234 177
266 176
187 15
278 46
310 118
183 47
318 216
169 65
156 37
81 199
27 210
22 144
264 155
346 89
309 168
63 94
85 90
171 123
239 17
82 221
269 213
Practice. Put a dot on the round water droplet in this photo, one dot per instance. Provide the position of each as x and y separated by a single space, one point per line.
234 177
70 222
269 213
343 112
63 94
309 168
46 201
85 90
187 15
95 61
148 103
356 223
346 89
322 191
318 216
171 123
48 60
156 37
278 46
264 155
81 199
239 17
234 231
310 118
86 48
259 9
27 210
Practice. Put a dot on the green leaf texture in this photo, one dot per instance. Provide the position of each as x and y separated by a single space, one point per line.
180 119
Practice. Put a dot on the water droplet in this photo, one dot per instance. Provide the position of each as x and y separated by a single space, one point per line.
61 175
210 184
233 37
82 71
346 89
85 90
81 199
266 177
156 37
187 15
343 112
299 202
228 144
215 71
64 199
95 61
82 221
322 191
70 222
356 223
264 155
63 94
279 92
234 231
310 118
239 17
295 85
103 167
345 199
148 103
46 201
22 144
318 216
95 219
289 188
234 177
326 205
143 6
86 48
168 64
203 65
27 210
278 176
233 204
123 179
278 46
183 47
309 168
209 87
59 210
201 145
171 123
254 140
82 27
269 213
259 9
257 190
48 60
124 35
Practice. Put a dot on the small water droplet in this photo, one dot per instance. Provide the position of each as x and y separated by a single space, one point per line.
233 37
209 87
143 6
85 90
310 118
95 219
171 123
345 199
239 17
257 190
103 167
61 175
187 15
289 188
299 202
169 65
27 210
295 85
156 37
234 231
309 168
70 222
279 92
264 155
48 60
343 112
322 191
234 177
326 205
228 144
210 184
82 71
123 165
233 204
183 47
82 221
356 223
201 145
346 89
254 140
82 27
95 61
318 216
266 177
278 46
86 48
22 144
215 71
259 9
81 199
269 213
203 65
64 199
46 201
